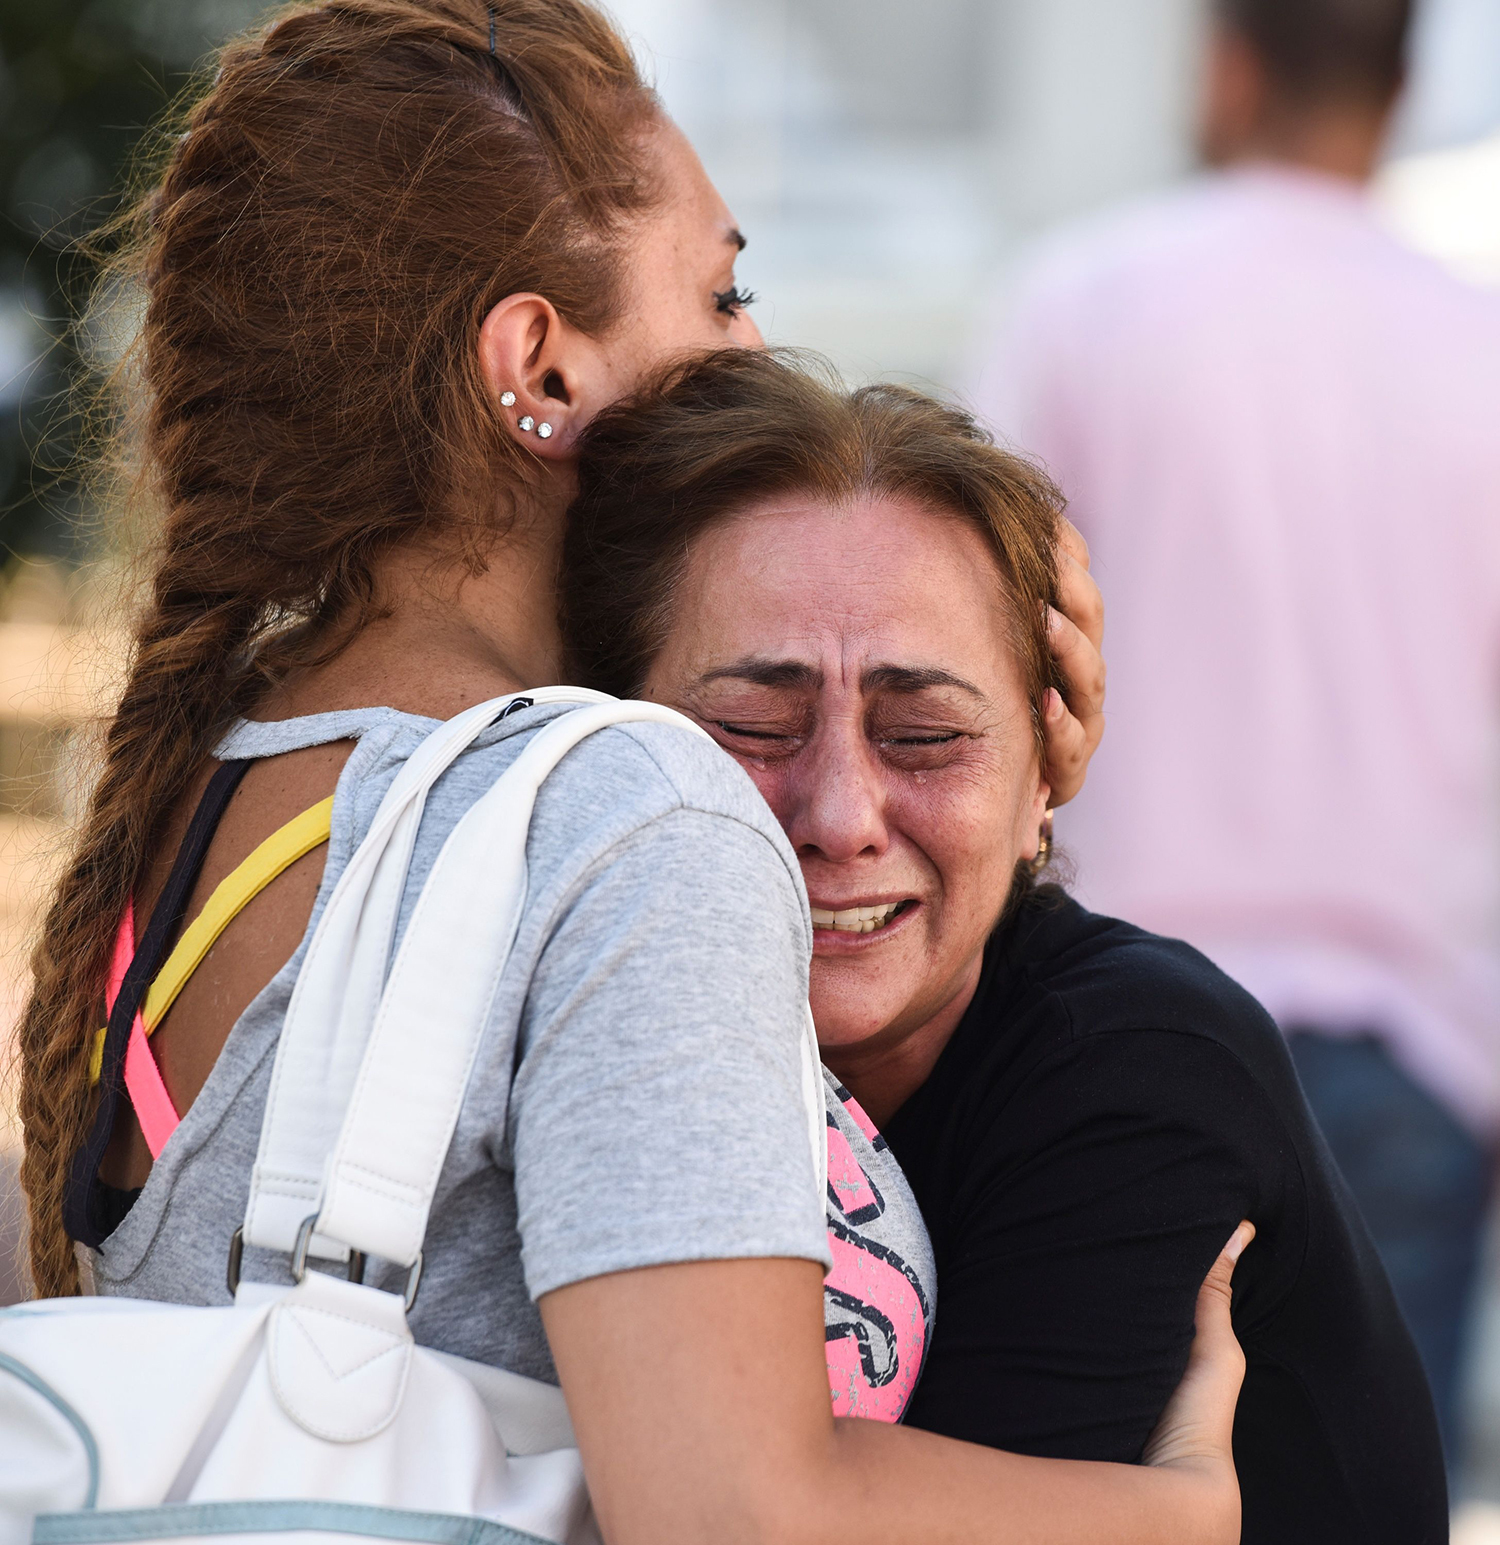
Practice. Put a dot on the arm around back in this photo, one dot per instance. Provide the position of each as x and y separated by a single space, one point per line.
700 1402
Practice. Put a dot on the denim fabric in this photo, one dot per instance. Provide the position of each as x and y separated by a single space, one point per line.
1423 1182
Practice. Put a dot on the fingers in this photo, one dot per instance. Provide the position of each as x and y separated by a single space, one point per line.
1075 721
1079 596
1198 1422
1074 727
1070 543
1079 659
1215 1294
1068 750
1216 1350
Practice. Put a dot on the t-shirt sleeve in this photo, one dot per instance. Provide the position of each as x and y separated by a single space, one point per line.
657 1113
1073 1251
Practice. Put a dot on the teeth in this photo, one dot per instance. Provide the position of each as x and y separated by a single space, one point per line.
855 919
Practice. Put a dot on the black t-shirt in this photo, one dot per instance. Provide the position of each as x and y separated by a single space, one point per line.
1109 1108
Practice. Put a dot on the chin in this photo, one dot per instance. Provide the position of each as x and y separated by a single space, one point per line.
838 1028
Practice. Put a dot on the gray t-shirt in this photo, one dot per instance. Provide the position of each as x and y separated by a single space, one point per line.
636 1098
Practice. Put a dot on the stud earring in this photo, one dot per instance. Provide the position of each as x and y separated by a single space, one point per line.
527 422
507 399
544 431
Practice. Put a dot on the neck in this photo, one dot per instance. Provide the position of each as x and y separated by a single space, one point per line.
443 636
884 1070
1338 139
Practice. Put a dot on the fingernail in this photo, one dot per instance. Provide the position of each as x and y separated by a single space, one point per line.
1238 1240
1054 707
1054 619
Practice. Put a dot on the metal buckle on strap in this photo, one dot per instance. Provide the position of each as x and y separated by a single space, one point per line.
357 1260
299 1259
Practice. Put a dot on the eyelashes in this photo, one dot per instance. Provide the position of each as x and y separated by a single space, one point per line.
732 301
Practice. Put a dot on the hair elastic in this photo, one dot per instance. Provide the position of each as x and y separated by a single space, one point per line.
491 10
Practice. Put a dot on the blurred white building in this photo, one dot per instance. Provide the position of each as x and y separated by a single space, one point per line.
885 159
1442 188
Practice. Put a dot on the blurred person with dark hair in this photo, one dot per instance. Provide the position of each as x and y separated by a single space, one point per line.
1277 430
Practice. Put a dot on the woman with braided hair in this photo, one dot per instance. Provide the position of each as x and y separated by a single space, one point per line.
403 252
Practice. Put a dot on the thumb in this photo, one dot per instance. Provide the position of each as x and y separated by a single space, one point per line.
1199 1418
1212 1317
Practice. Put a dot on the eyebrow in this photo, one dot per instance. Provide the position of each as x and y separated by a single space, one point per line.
762 672
907 679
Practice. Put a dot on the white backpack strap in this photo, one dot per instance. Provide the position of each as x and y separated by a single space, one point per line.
406 1101
339 987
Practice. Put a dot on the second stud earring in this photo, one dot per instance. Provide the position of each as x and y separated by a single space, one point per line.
507 399
526 422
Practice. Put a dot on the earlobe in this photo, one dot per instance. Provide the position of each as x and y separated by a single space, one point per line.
1039 819
1043 855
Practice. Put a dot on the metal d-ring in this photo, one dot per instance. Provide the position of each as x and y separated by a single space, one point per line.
236 1256
304 1240
357 1259
299 1257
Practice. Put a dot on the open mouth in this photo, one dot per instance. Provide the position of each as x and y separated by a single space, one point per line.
869 919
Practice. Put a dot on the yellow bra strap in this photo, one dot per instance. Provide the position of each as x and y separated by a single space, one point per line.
231 896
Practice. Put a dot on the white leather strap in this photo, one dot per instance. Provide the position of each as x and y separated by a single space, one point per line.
436 1006
339 988
371 1072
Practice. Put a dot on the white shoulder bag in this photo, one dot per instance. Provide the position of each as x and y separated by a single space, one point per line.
302 1413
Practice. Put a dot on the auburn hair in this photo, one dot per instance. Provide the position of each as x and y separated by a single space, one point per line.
709 438
360 183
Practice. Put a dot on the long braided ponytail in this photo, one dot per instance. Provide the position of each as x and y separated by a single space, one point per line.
360 184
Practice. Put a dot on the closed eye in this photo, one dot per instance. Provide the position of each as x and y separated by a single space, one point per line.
739 729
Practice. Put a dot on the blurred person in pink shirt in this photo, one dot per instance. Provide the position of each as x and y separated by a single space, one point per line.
1280 433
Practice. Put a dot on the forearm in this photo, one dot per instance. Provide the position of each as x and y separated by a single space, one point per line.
890 1485
894 1483
700 1402
1185 1492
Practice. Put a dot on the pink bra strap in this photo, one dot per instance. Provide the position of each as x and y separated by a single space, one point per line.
143 1082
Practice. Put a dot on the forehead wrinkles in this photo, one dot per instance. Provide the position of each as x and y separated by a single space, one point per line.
841 598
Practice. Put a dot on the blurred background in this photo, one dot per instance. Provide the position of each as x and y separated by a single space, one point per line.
894 169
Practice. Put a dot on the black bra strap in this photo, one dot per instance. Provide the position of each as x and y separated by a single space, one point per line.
83 1216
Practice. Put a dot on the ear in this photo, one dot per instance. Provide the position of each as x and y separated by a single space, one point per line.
555 375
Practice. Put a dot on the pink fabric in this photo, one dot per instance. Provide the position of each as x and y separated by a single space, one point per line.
875 1278
143 1081
1280 432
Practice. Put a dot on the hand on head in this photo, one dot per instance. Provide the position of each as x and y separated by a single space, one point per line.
1075 719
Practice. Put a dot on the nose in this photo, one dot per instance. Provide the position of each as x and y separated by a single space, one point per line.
745 333
836 798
